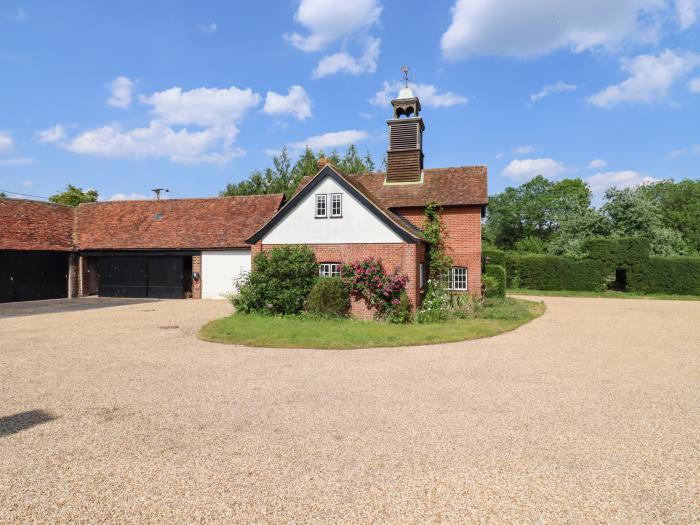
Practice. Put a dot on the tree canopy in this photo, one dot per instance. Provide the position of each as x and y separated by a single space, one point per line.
543 216
284 177
73 195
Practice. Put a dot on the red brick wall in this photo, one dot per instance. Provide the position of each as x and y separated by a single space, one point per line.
197 285
463 238
401 258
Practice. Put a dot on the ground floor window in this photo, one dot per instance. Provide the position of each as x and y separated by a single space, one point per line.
458 278
329 270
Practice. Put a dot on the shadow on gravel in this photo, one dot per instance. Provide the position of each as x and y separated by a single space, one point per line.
23 421
52 306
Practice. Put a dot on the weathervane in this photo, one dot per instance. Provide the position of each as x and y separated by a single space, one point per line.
405 70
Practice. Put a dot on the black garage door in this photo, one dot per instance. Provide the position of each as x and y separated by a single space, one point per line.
30 276
140 276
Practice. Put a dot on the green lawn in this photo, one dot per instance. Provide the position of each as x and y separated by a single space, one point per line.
303 332
606 294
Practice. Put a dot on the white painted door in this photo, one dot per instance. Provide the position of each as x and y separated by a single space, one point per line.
219 269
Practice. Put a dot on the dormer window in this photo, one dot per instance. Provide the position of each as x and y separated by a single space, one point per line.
336 204
321 206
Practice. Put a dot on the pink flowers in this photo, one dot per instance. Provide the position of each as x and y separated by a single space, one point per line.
368 279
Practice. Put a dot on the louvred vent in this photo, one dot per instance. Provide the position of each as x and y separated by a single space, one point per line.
404 136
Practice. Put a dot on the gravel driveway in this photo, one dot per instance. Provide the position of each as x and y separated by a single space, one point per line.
588 414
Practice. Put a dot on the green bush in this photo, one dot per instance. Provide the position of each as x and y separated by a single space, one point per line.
673 275
329 297
465 305
496 288
550 272
494 256
279 283
401 313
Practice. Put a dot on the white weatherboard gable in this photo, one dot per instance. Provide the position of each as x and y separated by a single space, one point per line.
219 269
357 225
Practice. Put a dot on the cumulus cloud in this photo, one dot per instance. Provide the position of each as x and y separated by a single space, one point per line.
693 150
128 197
521 150
650 78
53 134
429 95
211 145
617 179
6 142
202 106
694 85
20 15
597 163
525 169
120 90
295 103
328 21
687 12
517 28
207 29
546 91
343 62
332 139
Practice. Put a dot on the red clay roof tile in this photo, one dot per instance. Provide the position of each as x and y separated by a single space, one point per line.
34 225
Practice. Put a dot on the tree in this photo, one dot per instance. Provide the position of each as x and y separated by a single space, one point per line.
73 195
3 195
285 178
679 207
632 213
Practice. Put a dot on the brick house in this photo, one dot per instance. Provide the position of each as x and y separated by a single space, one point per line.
197 247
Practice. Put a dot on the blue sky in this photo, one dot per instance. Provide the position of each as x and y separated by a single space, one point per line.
127 96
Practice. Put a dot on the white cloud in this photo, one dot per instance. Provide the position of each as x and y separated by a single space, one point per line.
120 92
521 150
517 28
53 134
128 197
18 161
202 106
650 78
342 62
499 155
19 16
27 184
6 142
211 145
271 152
427 93
526 169
331 20
365 115
693 150
617 179
597 163
546 91
687 12
207 29
296 103
694 85
331 140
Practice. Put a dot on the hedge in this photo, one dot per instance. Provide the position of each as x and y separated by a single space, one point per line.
674 275
630 254
498 273
497 257
549 272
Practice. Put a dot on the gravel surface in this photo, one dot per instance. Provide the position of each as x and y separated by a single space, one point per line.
590 413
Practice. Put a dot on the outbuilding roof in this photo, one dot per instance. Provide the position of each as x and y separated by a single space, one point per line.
34 225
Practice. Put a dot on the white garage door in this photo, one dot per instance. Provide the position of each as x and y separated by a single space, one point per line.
219 269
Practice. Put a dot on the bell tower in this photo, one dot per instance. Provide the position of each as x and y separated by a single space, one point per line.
405 153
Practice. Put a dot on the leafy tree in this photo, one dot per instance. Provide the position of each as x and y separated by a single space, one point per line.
73 195
284 177
679 207
3 195
633 214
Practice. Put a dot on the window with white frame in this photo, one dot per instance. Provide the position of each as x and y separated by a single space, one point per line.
321 206
336 205
458 279
421 275
329 270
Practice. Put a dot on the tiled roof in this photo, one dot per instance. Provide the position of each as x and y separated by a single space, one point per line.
222 222
34 225
465 185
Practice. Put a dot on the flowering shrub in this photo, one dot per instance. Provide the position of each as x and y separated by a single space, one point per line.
436 304
369 280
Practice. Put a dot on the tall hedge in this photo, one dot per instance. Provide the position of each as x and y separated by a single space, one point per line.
630 254
498 273
497 257
675 275
549 272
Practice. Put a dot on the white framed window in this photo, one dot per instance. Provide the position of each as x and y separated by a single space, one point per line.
336 204
329 270
458 279
421 275
321 206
